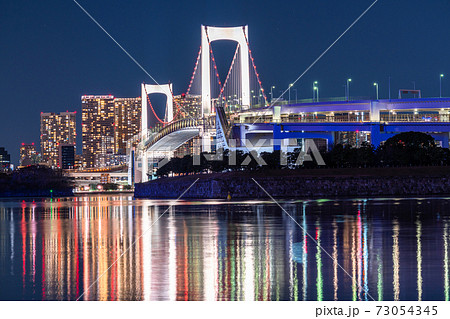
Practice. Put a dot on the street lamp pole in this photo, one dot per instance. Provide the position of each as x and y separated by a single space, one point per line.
348 89
440 85
271 93
290 85
376 87
317 88
314 91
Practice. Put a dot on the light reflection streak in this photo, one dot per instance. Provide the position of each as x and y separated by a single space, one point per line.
319 282
305 255
359 253
267 267
380 278
291 260
396 258
446 272
86 236
293 275
24 245
419 258
249 290
172 257
11 234
147 250
33 245
183 258
335 262
366 259
353 257
210 258
77 258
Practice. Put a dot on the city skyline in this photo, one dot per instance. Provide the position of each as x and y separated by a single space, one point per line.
393 48
226 151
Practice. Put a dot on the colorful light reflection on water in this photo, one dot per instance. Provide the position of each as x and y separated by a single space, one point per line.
392 249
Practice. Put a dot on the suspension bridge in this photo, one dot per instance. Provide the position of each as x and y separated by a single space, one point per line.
235 113
193 113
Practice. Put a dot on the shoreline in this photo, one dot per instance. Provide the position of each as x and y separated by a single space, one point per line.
303 183
37 194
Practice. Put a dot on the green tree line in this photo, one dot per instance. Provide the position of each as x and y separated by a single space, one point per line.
404 149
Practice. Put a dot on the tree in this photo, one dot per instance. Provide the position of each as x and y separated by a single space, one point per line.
408 148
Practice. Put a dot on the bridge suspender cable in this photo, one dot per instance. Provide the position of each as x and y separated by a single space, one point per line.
228 75
154 113
151 107
195 70
254 67
212 58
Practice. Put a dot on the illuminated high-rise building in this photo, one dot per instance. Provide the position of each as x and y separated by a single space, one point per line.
97 126
5 160
190 106
127 122
28 155
56 129
66 159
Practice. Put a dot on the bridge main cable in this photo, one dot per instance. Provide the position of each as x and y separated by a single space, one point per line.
154 113
212 58
195 70
229 72
254 66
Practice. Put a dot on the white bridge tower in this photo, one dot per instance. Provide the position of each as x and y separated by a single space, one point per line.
147 89
237 34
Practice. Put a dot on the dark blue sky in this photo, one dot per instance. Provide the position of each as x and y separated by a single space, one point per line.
51 53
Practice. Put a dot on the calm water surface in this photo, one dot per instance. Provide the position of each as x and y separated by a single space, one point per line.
390 249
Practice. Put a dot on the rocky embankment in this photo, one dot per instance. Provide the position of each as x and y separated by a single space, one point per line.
303 183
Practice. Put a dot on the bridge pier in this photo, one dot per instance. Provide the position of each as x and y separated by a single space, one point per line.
443 138
279 135
144 168
377 134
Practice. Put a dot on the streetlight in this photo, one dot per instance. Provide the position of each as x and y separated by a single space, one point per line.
290 85
271 92
376 86
316 88
440 85
348 88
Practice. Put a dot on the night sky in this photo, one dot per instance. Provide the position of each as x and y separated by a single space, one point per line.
51 53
